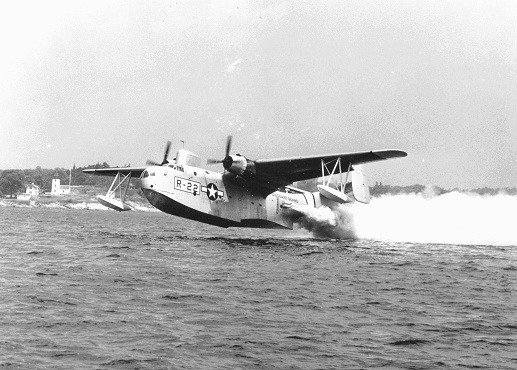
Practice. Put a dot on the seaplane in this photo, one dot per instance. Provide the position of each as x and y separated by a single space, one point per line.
247 193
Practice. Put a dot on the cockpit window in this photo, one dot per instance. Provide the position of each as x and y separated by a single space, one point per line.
144 174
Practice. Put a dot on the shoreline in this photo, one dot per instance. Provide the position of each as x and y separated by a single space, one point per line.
71 204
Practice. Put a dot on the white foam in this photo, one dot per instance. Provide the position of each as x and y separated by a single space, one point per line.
452 218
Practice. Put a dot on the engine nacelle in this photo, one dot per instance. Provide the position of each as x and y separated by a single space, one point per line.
239 165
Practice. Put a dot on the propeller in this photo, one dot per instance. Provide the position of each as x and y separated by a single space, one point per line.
227 160
150 162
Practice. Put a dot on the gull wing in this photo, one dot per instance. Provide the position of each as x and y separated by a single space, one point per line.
113 171
289 170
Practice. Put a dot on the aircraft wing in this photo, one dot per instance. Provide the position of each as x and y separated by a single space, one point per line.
112 171
303 168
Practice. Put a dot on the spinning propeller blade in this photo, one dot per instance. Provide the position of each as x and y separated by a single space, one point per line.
213 161
227 153
166 154
228 145
150 162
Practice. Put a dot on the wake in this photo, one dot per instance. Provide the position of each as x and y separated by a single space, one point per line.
451 218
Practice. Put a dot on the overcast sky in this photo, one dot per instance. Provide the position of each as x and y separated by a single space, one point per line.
87 82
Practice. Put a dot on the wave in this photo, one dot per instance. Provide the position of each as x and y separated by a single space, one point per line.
451 218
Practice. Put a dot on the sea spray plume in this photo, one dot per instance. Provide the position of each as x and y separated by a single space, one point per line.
334 223
450 218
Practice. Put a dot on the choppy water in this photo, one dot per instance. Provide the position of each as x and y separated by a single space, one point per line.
100 290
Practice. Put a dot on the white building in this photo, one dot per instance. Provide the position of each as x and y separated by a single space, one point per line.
58 189
31 191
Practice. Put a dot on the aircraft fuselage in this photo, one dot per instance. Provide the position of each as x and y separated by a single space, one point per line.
204 196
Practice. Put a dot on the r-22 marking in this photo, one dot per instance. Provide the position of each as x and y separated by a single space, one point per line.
189 186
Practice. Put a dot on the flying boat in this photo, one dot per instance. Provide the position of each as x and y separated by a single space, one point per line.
247 193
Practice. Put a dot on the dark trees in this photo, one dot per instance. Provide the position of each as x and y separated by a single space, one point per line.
11 182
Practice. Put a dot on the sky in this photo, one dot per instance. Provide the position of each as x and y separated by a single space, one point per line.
111 81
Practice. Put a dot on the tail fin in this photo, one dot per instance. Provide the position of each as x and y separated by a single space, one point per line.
360 187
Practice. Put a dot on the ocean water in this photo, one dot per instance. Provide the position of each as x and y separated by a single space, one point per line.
93 289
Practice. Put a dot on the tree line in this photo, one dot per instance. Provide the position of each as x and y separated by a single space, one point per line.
14 181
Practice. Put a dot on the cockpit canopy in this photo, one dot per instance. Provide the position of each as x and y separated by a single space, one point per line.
183 158
147 173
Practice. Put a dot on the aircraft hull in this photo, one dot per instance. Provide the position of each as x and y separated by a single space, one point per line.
173 207
168 205
205 196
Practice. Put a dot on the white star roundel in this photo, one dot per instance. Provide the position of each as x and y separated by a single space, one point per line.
212 192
